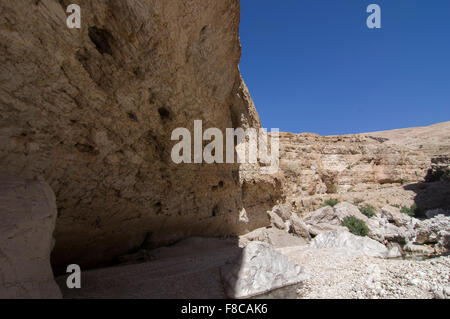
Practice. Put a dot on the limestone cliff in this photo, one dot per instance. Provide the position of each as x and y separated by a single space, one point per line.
317 167
91 112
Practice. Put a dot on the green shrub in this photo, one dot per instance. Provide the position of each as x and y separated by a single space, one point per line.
358 201
368 210
355 226
412 211
331 202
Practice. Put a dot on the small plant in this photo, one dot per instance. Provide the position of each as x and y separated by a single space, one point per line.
411 211
404 181
331 202
368 210
395 205
358 201
355 226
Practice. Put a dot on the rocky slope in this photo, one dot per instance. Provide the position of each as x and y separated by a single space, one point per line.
433 140
91 112
319 167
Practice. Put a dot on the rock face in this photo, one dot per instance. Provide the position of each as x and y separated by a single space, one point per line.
433 140
378 168
27 214
91 111
316 165
259 270
347 244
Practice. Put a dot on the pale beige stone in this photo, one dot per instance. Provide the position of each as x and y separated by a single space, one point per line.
27 220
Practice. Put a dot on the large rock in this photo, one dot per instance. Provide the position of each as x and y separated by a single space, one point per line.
393 215
433 230
395 251
334 216
276 238
381 230
298 227
276 220
317 229
260 270
322 215
91 111
284 211
418 250
345 243
27 220
345 209
328 218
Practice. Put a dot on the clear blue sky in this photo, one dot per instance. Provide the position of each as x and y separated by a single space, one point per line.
314 66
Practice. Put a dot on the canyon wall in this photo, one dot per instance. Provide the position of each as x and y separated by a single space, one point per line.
319 167
433 140
91 111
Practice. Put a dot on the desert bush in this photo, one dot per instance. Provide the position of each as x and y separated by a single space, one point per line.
411 211
355 226
331 202
368 210
358 201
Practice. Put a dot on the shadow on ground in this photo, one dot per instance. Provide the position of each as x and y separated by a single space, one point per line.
430 195
189 269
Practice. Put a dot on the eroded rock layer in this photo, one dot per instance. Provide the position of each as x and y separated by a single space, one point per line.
91 112
317 167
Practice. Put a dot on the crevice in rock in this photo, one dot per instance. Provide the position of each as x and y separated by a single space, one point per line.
101 38
85 148
164 113
132 116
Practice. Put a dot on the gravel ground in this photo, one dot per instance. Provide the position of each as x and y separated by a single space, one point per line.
338 277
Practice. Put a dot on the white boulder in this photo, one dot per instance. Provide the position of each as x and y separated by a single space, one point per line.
27 221
260 270
345 243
